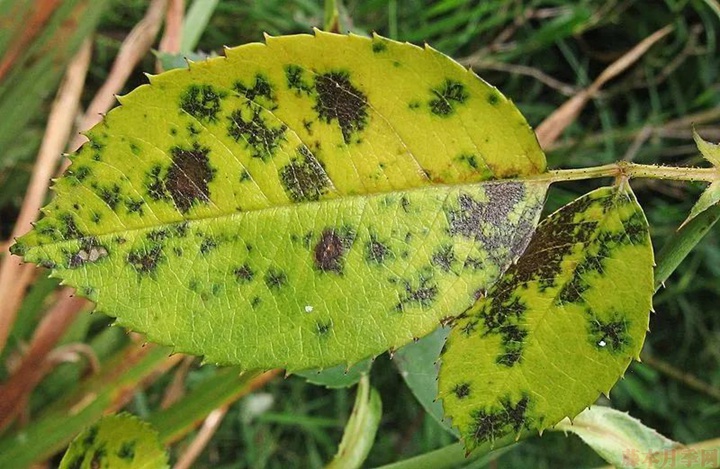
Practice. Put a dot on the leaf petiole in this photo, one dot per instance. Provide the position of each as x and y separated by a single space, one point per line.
626 169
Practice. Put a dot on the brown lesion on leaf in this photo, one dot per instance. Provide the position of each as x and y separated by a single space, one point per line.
493 422
488 221
330 250
202 102
146 259
447 97
339 100
552 242
260 138
421 292
187 179
91 251
304 178
377 252
444 258
68 227
244 274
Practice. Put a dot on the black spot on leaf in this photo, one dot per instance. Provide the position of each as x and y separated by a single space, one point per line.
145 260
447 97
304 178
89 439
295 81
260 89
188 177
134 206
377 252
469 159
154 185
259 137
339 100
444 258
207 245
80 173
378 45
492 423
323 328
244 274
610 335
127 450
461 391
68 227
422 292
275 279
110 195
202 102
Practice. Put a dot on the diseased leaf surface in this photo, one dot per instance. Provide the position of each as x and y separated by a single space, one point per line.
560 327
117 442
308 202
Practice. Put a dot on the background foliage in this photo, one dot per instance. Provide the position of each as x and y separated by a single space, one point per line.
539 53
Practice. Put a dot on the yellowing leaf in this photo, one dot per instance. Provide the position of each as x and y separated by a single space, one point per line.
311 201
116 441
559 328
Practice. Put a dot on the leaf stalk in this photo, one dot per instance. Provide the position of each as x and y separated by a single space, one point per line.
629 170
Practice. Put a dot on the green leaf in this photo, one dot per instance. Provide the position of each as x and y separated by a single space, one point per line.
116 441
711 196
711 151
559 328
304 203
338 376
360 429
620 439
419 366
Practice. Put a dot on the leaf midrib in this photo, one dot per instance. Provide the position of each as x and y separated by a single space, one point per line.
433 187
